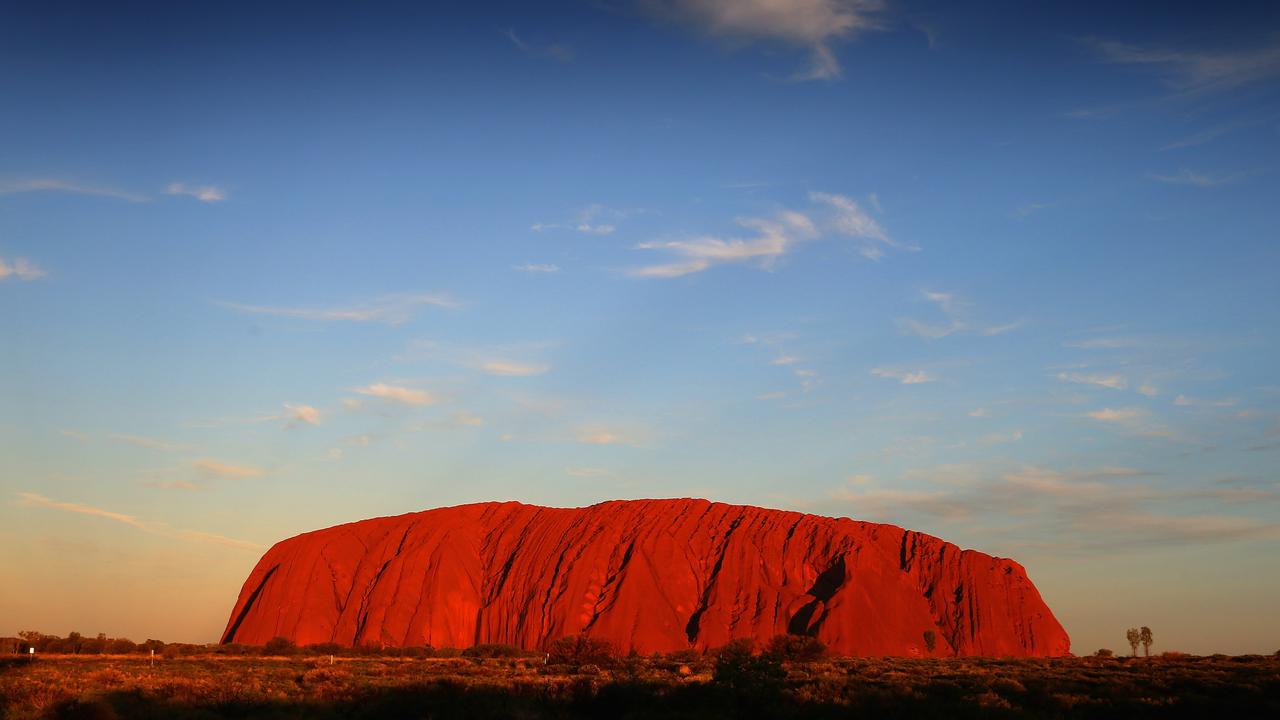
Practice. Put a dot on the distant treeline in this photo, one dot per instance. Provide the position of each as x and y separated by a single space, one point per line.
572 650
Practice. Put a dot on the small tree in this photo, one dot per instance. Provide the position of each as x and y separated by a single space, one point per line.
579 650
1144 636
796 648
746 675
279 646
1134 638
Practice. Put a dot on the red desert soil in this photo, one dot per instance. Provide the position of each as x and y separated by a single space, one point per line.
648 575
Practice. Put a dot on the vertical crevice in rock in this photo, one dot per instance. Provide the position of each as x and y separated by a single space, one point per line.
695 620
363 615
230 637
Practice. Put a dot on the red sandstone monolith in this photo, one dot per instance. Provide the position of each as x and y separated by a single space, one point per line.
648 575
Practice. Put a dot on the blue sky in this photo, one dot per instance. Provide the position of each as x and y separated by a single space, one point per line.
1005 274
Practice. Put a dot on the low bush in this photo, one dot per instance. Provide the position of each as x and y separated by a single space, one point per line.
578 650
281 646
739 670
796 648
494 650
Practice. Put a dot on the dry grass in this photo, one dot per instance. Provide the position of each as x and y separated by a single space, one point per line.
681 686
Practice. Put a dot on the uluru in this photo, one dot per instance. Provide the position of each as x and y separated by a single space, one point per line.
645 575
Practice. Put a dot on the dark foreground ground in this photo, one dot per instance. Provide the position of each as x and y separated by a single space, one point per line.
260 687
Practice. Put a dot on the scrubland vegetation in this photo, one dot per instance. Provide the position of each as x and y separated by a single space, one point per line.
578 677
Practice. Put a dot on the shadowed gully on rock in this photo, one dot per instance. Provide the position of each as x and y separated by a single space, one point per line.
646 575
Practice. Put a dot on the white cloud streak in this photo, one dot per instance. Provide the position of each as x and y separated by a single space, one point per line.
905 377
771 239
149 442
218 468
398 394
810 24
1115 382
512 368
50 185
1190 178
505 360
1117 415
957 320
31 499
20 268
1184 401
1198 71
555 51
391 310
203 193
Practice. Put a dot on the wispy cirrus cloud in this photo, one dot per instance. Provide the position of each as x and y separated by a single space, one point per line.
1134 421
846 217
13 187
1185 401
905 377
590 220
1003 438
1197 71
503 360
203 193
554 51
599 436
174 485
1106 343
813 25
20 268
150 443
459 419
218 468
612 434
391 309
1191 178
537 268
1115 382
398 394
1082 510
957 319
589 472
1117 415
1028 209
305 414
292 414
772 238
512 368
162 529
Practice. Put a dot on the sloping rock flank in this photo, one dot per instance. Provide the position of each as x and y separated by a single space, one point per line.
649 575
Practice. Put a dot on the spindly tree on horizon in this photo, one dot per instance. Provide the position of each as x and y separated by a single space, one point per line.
1134 637
1145 638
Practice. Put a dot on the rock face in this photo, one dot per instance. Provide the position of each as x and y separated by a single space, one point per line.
649 575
